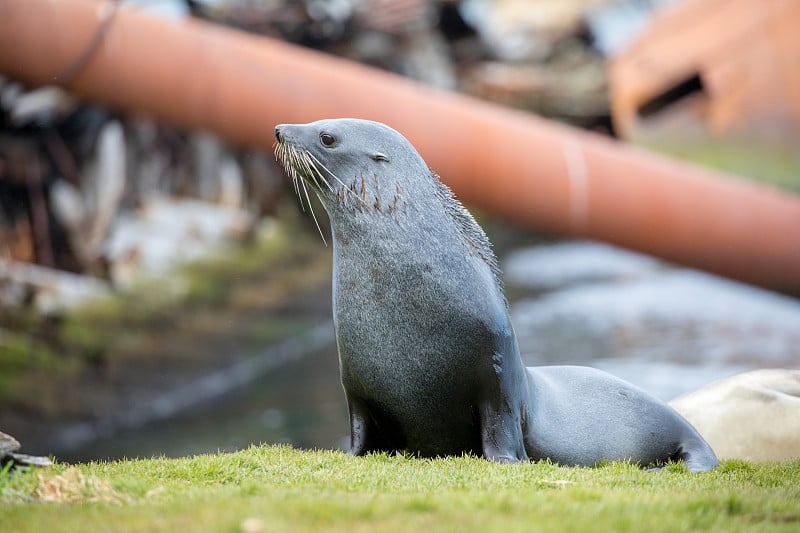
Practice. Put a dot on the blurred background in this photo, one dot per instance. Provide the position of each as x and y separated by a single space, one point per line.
163 293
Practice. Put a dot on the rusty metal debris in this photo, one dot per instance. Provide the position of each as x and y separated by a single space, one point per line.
80 190
554 178
721 63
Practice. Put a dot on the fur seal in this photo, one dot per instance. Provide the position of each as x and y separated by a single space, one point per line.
428 359
754 416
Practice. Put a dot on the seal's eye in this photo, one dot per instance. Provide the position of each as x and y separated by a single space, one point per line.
327 139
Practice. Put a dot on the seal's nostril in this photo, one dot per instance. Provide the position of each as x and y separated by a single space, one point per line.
278 133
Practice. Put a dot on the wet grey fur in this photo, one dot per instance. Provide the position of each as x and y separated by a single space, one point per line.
428 358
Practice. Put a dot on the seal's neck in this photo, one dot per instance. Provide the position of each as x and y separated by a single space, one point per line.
469 232
411 226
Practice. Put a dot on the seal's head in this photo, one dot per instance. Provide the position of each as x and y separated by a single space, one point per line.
351 163
363 170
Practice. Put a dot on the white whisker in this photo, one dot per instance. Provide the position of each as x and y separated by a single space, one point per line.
311 209
306 163
300 167
317 173
348 189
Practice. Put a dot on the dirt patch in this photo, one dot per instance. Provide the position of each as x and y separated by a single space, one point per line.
74 487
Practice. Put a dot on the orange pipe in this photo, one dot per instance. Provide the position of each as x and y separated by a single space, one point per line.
526 169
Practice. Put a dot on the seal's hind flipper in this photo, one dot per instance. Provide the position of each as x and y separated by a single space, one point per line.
697 455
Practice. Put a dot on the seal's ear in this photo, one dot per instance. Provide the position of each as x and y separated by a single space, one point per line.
377 156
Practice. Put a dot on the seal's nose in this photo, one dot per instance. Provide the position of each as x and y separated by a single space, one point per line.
278 133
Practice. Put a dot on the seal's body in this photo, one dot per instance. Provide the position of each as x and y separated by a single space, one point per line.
428 358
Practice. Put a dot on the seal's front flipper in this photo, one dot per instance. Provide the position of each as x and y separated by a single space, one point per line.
501 435
365 435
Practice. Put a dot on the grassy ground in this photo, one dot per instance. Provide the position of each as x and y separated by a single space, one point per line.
275 488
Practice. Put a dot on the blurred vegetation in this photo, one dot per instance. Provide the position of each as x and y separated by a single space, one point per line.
231 292
771 161
276 488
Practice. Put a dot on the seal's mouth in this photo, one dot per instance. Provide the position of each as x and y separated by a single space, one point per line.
302 166
305 170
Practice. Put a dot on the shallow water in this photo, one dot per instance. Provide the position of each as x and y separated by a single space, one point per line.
666 330
301 402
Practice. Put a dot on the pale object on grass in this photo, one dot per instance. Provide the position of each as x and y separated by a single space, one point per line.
753 416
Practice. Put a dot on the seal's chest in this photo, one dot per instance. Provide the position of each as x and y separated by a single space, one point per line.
415 363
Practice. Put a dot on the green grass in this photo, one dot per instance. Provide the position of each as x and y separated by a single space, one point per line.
276 488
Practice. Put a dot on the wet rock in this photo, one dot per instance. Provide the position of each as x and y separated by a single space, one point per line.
50 290
8 453
24 459
679 316
8 444
667 330
545 268
166 232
